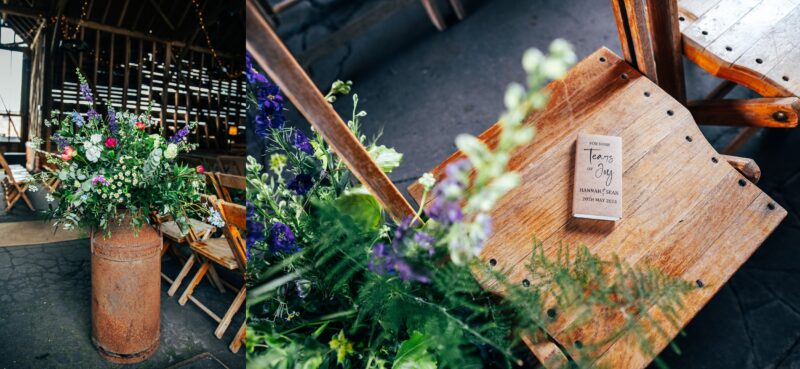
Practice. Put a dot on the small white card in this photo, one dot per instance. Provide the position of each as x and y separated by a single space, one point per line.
598 177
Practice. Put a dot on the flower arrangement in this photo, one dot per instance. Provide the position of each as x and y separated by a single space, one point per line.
334 283
113 169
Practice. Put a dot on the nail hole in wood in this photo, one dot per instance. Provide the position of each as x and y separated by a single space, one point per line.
646 94
681 19
689 138
670 113
624 76
578 344
705 33
492 262
771 206
699 283
742 182
728 48
551 313
602 59
526 283
714 160
759 60
785 78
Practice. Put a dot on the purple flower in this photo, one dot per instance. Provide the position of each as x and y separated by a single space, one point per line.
60 141
86 93
281 239
300 184
385 260
77 118
255 229
179 135
425 241
99 180
266 121
300 141
445 211
112 122
92 114
252 74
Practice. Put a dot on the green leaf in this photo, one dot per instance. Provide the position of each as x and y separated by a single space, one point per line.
413 354
387 158
359 204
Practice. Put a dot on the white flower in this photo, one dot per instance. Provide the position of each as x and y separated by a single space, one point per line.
49 198
172 151
427 181
96 138
92 152
33 188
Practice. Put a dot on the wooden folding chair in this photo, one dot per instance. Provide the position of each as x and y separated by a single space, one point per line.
228 252
228 182
14 184
685 211
53 181
750 43
211 181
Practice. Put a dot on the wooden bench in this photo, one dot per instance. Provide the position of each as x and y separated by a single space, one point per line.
686 211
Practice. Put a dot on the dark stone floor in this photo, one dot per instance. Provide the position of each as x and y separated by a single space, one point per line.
45 316
421 88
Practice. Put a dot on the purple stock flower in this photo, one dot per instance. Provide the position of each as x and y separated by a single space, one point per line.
112 122
86 93
281 239
300 141
77 118
301 183
392 259
100 180
92 114
179 135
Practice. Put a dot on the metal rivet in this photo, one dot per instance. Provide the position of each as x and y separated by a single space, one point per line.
670 112
699 283
742 182
602 59
785 78
526 283
714 160
492 262
551 313
646 94
759 60
705 33
624 76
771 206
689 138
780 116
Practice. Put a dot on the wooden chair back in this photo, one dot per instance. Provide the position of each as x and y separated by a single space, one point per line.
6 169
228 182
211 181
231 164
235 217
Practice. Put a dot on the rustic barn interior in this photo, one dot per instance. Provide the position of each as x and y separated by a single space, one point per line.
182 59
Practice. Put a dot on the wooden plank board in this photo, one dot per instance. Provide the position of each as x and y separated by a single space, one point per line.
673 218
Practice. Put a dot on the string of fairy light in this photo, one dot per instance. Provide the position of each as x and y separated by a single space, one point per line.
65 25
216 57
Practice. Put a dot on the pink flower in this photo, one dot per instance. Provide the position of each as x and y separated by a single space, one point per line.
140 126
69 153
201 169
111 142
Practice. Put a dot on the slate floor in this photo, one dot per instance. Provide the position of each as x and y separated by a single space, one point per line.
421 88
45 316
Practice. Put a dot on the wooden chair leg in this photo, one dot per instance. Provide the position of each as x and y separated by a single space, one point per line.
179 279
226 320
25 197
197 278
166 247
215 279
239 339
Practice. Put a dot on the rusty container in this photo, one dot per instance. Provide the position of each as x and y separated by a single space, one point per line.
126 293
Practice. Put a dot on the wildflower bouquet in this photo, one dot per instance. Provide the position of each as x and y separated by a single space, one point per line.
334 283
112 168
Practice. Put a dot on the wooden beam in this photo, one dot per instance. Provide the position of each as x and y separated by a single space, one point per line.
746 166
772 112
270 53
122 14
651 41
160 12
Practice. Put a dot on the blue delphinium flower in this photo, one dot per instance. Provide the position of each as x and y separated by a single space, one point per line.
60 141
112 121
251 73
179 135
92 114
255 229
269 100
281 239
266 121
446 206
77 118
86 93
393 259
300 141
300 184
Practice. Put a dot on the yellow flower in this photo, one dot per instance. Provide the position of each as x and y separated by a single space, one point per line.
342 346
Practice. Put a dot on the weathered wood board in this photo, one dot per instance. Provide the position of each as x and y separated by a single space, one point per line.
686 210
755 43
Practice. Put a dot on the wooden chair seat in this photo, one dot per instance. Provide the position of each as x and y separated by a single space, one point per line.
216 250
753 43
20 173
686 211
171 230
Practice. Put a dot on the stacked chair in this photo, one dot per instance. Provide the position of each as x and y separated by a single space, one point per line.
14 184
